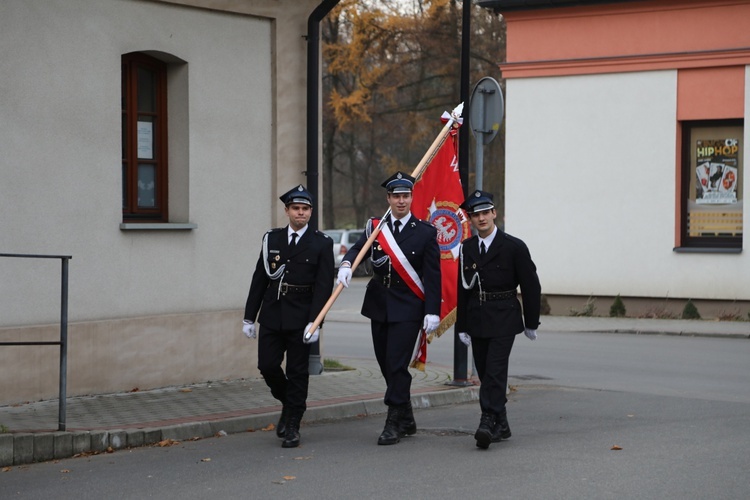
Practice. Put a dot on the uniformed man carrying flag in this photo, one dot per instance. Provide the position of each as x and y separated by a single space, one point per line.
402 297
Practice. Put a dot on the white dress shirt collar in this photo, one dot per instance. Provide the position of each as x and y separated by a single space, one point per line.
488 240
299 233
403 219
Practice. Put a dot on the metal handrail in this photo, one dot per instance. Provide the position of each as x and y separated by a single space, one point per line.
63 342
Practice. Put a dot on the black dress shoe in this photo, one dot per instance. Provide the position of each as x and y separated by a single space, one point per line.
390 434
407 426
501 430
281 426
291 438
291 435
483 435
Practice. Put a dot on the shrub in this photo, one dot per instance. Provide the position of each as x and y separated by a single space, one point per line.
588 308
727 315
545 308
617 309
690 311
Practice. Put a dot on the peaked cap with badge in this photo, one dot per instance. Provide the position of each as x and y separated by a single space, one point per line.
297 195
478 201
399 183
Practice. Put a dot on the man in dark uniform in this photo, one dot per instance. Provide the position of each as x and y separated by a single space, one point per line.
489 316
402 297
292 282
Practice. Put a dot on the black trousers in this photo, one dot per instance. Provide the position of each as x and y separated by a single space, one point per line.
394 346
289 388
491 358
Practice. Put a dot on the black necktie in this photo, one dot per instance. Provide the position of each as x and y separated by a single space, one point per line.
294 239
482 248
396 227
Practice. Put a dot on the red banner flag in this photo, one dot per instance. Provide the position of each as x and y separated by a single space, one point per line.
436 198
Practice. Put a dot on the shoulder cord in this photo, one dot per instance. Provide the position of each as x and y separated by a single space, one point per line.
382 260
279 271
474 280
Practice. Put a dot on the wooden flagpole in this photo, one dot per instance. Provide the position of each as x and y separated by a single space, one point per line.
426 159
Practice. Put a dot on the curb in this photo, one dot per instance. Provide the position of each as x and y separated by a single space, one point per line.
26 448
635 331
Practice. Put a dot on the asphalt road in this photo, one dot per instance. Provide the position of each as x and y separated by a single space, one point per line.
715 369
595 416
561 448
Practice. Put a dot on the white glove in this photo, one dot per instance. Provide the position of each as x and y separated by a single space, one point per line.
345 276
313 338
430 323
248 328
464 337
531 334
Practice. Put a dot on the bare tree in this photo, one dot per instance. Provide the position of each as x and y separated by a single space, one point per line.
390 72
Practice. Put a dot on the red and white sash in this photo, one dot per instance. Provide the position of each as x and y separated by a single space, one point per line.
399 262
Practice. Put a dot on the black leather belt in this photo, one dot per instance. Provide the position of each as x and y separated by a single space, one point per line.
483 296
389 280
285 288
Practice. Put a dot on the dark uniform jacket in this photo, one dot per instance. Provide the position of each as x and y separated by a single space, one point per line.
418 242
309 265
506 265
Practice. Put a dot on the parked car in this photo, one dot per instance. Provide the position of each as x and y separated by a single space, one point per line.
343 240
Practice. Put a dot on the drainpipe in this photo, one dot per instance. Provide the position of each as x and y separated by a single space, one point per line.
313 119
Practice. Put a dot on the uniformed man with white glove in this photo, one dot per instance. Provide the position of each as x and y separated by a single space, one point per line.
292 282
402 297
493 264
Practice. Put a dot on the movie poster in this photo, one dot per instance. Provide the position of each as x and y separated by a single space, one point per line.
717 171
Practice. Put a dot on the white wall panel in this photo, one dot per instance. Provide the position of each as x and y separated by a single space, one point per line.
61 182
591 188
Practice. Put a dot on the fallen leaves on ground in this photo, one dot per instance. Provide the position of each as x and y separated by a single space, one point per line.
186 389
205 459
65 471
269 427
615 447
167 442
6 469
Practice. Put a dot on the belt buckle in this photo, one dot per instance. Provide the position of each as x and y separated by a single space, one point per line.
283 288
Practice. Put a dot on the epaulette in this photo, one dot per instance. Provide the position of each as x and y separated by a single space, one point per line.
275 229
513 239
321 233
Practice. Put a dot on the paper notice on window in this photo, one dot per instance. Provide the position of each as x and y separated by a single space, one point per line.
146 140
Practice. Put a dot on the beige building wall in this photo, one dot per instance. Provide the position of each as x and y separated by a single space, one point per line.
598 96
147 307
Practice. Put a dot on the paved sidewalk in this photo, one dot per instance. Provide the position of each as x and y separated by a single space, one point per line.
95 423
686 327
